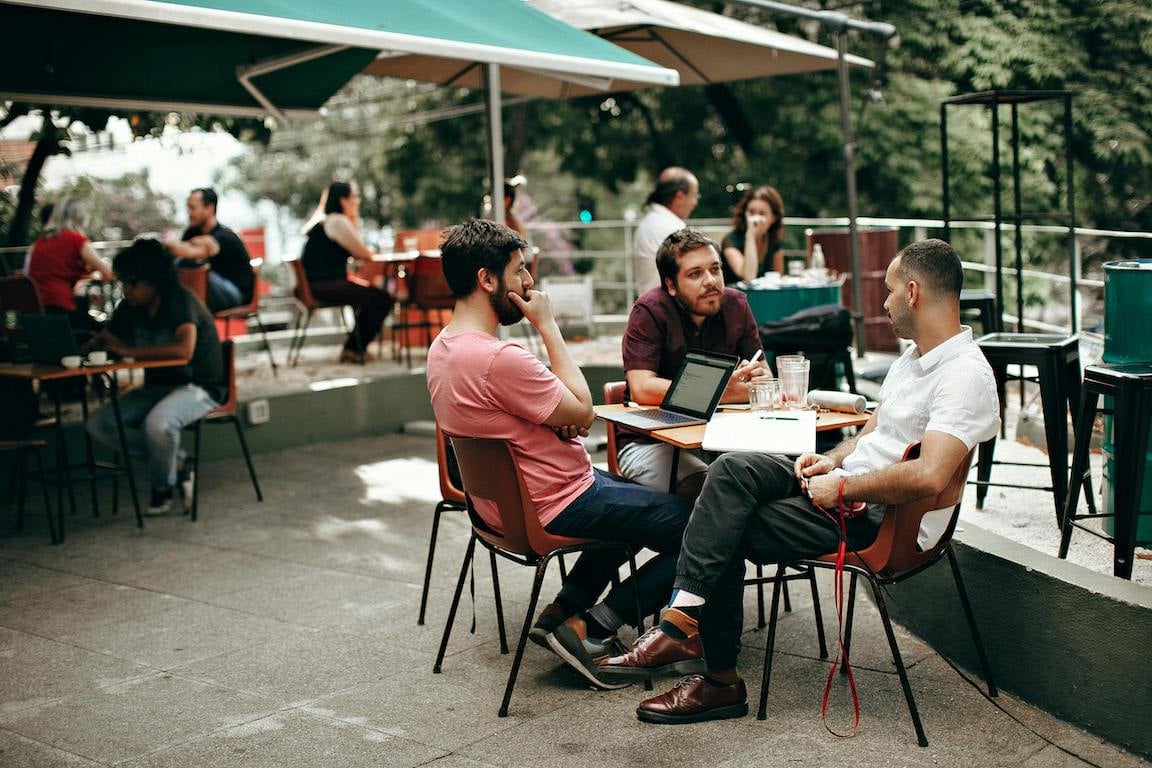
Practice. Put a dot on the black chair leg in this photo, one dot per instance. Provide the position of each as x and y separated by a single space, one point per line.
784 594
54 537
1084 419
984 666
848 621
89 456
297 345
440 507
537 583
760 623
499 604
984 470
563 568
921 739
817 614
21 479
636 598
455 603
267 345
770 647
247 457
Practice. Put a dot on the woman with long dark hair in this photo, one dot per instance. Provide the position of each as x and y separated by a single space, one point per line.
753 246
333 238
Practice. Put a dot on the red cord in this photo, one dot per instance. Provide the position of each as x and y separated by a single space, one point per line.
838 576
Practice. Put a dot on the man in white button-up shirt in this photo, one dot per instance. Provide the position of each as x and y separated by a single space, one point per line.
940 392
670 204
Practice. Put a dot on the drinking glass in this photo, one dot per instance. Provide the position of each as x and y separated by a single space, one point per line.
794 383
764 395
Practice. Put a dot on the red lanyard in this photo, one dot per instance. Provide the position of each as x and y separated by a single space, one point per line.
852 510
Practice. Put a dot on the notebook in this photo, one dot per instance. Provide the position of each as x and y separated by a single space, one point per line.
787 432
49 337
691 398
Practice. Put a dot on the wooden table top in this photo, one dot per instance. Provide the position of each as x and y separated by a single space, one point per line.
50 371
693 436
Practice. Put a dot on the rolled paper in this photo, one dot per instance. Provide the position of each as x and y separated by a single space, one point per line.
845 402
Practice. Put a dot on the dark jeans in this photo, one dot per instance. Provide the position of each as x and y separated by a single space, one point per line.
223 293
751 508
615 509
373 305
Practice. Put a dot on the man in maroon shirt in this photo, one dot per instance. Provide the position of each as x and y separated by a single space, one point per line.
690 310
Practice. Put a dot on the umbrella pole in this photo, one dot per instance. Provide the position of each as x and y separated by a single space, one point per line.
850 184
495 123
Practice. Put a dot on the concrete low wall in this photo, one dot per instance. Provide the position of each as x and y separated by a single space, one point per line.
1071 641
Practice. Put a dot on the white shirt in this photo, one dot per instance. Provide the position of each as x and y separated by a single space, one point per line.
656 225
951 389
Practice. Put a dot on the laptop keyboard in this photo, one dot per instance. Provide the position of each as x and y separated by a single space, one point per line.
665 417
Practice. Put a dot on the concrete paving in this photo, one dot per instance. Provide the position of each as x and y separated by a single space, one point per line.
284 634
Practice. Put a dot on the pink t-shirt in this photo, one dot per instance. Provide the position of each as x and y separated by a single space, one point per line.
484 387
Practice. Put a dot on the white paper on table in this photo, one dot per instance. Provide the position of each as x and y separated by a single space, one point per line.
789 432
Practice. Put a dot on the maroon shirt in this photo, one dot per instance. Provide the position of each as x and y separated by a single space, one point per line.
660 332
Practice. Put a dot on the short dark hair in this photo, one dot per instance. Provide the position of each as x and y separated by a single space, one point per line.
676 245
665 192
935 264
208 195
476 244
337 191
146 259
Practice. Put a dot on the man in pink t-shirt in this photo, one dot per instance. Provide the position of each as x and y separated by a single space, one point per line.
484 387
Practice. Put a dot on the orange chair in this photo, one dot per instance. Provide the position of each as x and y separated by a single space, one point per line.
310 304
490 472
452 499
245 311
222 414
195 279
892 557
428 292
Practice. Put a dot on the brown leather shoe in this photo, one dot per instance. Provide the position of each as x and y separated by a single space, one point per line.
655 653
692 700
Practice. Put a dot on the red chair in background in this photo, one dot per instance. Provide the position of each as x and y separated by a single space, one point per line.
195 279
245 311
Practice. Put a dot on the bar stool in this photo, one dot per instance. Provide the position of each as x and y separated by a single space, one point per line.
1057 359
1130 386
985 304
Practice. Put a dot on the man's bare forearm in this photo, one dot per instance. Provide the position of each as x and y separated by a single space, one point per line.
563 364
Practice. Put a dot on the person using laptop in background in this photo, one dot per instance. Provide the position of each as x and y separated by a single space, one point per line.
691 309
482 386
159 319
770 508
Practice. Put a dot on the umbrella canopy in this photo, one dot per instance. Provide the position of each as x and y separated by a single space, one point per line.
253 57
703 47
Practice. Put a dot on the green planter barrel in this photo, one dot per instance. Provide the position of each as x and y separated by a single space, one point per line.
1127 318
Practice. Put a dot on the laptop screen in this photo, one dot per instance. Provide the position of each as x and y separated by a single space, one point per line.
699 383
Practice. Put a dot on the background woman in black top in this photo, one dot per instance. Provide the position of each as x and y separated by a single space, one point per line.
753 246
333 237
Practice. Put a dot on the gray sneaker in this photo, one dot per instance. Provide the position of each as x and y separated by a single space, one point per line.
570 642
160 502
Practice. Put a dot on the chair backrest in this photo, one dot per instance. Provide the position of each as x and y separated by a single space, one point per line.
195 279
448 489
253 305
613 395
303 288
894 550
427 288
19 294
228 350
417 239
489 471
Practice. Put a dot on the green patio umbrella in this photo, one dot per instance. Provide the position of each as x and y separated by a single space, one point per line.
283 57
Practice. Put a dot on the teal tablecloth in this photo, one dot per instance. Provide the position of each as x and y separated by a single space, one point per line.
774 303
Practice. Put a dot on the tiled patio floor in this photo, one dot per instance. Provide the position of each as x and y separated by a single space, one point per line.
284 634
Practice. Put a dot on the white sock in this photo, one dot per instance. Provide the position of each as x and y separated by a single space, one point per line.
684 599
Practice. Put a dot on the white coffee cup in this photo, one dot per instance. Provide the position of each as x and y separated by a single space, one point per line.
97 357
70 361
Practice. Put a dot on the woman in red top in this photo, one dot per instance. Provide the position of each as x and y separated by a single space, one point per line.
63 255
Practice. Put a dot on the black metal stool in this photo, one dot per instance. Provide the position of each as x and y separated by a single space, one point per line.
984 303
1057 359
1130 386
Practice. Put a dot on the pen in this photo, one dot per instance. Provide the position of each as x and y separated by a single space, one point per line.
759 354
779 418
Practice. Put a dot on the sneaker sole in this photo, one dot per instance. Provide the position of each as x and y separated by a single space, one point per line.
719 713
676 668
576 664
540 637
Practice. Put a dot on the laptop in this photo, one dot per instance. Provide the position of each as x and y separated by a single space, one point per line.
691 398
49 338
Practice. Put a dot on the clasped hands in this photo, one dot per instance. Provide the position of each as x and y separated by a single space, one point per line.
812 472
